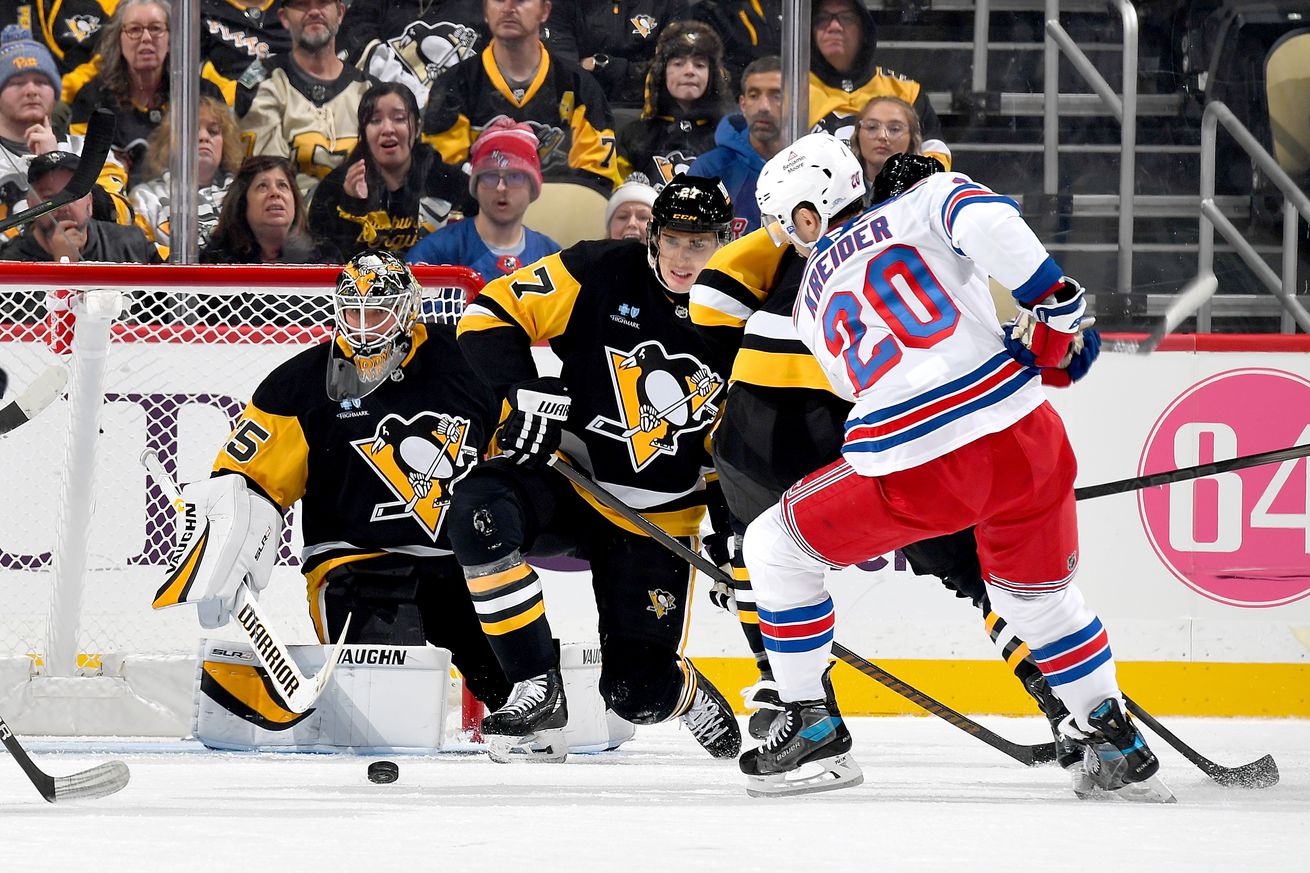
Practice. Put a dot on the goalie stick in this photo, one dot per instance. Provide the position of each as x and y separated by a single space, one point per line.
298 691
1042 753
43 391
98 781
95 151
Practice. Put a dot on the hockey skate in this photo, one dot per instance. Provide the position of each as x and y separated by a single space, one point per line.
530 726
808 750
1068 751
763 699
1116 760
711 720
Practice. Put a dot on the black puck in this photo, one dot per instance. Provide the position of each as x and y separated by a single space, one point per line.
383 772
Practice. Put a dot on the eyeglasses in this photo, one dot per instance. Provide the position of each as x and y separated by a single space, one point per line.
845 19
134 32
894 130
511 180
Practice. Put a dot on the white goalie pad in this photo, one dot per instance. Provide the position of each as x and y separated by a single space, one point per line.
227 534
382 699
591 727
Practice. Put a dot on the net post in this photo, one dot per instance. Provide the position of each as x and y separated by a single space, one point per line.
93 313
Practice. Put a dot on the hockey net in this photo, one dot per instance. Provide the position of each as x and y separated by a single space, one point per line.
163 358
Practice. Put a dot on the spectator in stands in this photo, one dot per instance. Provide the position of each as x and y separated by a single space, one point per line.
686 95
393 189
220 154
627 216
263 219
29 82
236 36
68 28
409 42
843 75
506 178
516 77
69 234
887 126
304 106
750 30
132 80
616 41
746 140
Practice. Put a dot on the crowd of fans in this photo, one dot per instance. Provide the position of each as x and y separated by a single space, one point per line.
422 128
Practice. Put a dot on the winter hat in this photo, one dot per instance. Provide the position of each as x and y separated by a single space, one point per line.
19 54
506 145
634 189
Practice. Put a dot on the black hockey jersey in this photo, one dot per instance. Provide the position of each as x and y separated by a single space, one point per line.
373 475
389 220
630 356
625 32
233 37
69 28
564 106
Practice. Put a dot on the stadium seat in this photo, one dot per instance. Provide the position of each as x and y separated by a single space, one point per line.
1287 89
568 213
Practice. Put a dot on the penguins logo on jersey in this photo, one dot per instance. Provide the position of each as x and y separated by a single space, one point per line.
661 603
428 49
419 459
670 165
660 397
82 27
643 25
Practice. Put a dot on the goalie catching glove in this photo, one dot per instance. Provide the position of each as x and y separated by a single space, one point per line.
538 409
228 535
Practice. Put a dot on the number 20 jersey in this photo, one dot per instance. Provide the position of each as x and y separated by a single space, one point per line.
895 306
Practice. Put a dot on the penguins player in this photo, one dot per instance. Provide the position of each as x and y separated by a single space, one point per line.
372 459
632 407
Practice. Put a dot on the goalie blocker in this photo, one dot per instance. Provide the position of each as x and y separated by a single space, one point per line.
383 700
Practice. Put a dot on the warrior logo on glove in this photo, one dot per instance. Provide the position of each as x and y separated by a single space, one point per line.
419 459
660 396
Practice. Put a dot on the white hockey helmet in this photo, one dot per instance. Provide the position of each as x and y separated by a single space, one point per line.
818 170
375 305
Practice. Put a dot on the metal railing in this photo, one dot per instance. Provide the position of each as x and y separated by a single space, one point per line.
1295 204
1124 109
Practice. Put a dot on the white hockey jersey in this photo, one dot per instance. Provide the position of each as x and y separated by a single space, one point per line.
895 306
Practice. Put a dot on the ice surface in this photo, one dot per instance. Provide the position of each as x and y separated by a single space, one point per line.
933 800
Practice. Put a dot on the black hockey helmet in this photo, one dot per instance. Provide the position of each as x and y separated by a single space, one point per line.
694 204
902 171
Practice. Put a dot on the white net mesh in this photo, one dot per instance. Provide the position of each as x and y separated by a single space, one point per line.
185 355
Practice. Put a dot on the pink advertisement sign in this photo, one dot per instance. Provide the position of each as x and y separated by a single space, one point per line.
1241 538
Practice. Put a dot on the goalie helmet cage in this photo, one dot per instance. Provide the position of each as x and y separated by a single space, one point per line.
160 357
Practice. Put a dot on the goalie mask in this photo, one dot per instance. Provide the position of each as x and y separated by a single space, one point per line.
374 307
688 203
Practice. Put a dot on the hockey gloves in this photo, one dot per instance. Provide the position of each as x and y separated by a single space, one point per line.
531 433
228 535
1041 336
1086 346
715 546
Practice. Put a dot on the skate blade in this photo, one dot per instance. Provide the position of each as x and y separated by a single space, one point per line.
543 747
832 774
1150 790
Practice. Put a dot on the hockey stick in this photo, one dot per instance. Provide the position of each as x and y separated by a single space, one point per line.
1041 753
99 781
298 692
95 150
41 393
1262 773
1182 474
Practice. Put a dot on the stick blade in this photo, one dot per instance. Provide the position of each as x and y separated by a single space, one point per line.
43 391
100 781
1257 774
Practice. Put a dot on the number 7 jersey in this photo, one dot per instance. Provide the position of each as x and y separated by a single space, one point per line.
895 306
